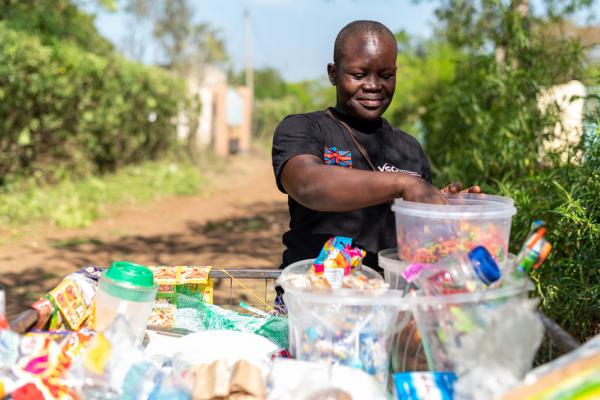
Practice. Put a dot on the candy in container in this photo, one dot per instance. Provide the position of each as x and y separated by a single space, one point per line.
426 233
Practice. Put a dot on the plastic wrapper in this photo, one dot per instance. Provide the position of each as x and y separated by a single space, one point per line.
575 375
3 319
336 261
218 381
498 350
424 385
42 359
71 304
113 366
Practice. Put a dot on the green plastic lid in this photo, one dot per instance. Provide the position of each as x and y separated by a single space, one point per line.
133 274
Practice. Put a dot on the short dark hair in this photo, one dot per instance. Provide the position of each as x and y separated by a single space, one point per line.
355 27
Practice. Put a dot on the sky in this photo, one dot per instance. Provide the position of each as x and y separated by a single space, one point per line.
293 36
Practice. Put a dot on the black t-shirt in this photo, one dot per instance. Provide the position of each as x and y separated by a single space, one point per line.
317 134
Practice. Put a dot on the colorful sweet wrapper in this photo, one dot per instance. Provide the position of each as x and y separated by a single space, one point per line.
414 270
47 358
70 305
338 253
69 299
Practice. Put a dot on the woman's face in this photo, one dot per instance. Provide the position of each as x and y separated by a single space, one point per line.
365 77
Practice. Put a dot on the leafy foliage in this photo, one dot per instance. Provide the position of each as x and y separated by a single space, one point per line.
483 125
69 111
54 20
567 199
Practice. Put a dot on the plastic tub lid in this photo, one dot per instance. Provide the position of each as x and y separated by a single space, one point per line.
388 260
461 206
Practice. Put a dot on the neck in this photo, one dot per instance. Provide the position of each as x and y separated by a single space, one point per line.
364 125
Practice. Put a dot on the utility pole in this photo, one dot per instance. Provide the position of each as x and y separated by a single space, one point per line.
248 53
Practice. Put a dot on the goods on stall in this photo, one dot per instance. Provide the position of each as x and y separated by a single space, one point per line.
344 326
428 232
472 297
337 266
424 385
206 347
39 362
114 366
215 381
191 281
128 289
3 319
574 376
305 380
459 273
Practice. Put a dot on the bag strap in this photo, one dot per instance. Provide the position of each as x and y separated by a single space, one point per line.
359 146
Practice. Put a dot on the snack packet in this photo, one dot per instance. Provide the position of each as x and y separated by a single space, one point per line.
192 281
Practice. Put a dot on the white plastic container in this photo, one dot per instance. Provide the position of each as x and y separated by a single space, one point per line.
343 326
127 289
428 232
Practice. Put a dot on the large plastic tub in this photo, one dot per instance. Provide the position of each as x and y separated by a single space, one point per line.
464 326
342 326
428 232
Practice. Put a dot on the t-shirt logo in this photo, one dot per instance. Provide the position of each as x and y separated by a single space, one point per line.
391 168
333 156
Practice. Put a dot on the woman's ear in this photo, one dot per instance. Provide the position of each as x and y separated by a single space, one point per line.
331 73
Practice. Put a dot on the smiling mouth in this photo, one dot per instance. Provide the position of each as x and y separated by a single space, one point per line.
371 103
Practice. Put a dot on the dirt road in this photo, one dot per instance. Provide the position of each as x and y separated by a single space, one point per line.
237 222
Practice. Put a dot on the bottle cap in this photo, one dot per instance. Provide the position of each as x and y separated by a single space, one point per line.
485 266
128 272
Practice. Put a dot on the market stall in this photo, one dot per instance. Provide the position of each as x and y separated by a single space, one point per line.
451 318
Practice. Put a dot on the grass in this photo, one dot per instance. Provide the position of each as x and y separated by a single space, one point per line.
76 203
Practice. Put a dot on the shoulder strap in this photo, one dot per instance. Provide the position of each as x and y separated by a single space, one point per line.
359 146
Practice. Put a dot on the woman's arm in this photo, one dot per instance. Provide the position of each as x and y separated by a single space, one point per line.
323 187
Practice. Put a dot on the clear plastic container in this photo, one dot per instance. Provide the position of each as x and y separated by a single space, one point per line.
127 289
406 350
342 326
454 326
428 232
393 269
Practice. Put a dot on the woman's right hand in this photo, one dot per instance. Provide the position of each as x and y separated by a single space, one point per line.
416 189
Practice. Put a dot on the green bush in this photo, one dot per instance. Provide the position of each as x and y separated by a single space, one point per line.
484 126
568 283
72 112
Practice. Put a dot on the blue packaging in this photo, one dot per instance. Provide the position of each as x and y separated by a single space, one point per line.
424 385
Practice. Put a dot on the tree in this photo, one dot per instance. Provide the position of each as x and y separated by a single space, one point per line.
54 20
485 126
184 43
